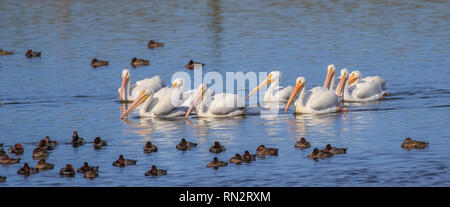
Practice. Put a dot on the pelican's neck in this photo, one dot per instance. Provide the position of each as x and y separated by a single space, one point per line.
273 86
330 87
205 103
126 92
300 100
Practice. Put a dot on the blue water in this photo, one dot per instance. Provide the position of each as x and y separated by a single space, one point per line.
405 42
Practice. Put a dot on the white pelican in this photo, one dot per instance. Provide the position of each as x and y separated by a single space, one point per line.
356 76
129 92
219 105
330 82
318 100
164 103
274 92
356 90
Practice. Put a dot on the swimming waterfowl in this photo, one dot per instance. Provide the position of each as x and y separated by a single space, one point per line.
18 149
67 171
86 167
6 160
1 144
149 147
2 152
42 165
217 147
156 172
4 52
237 159
77 141
335 150
50 142
302 144
216 163
139 62
97 63
2 179
27 170
248 157
91 174
152 44
40 153
42 145
30 53
262 150
183 145
191 65
319 154
413 144
99 143
121 162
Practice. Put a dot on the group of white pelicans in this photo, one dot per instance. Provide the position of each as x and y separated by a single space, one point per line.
156 100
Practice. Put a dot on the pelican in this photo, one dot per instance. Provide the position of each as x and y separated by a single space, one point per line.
356 90
219 105
356 76
318 100
330 82
129 92
164 103
274 92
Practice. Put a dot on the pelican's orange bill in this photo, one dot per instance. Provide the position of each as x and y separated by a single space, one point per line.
341 85
139 100
265 82
298 87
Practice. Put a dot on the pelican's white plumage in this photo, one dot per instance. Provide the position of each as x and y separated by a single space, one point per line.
275 92
129 92
376 79
357 90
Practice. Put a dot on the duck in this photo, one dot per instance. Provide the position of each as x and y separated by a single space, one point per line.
97 63
30 53
237 159
319 154
121 162
155 172
2 152
86 167
413 144
217 148
152 44
1 144
67 171
49 142
149 147
91 174
183 145
2 179
302 144
191 65
335 150
139 62
248 157
42 145
17 149
42 165
77 141
262 150
216 163
40 153
27 170
4 52
99 143
6 160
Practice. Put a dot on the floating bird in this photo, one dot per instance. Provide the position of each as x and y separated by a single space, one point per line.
248 157
3 52
275 92
237 159
1 144
149 147
193 65
40 153
91 174
216 163
357 76
17 149
318 100
139 62
6 160
263 150
217 148
413 144
335 150
86 167
30 53
184 145
49 142
302 144
356 90
77 141
67 171
129 92
319 154
219 105
2 152
2 179
97 63
155 172
42 145
27 170
121 162
99 143
42 165
152 44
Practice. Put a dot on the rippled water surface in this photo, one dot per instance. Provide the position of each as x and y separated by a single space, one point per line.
405 42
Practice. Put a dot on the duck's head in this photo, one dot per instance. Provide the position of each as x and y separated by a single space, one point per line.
303 140
97 140
315 151
85 165
75 134
191 62
42 143
143 96
26 168
18 146
134 59
93 60
151 41
69 167
408 139
354 77
41 161
260 147
215 159
238 156
154 170
299 85
148 144
29 51
330 76
247 155
272 77
183 142
217 144
199 96
327 148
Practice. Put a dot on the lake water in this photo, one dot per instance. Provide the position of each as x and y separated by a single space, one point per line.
405 42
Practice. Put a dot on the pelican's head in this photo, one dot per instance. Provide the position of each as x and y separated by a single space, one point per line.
299 85
330 76
272 77
143 96
198 97
125 79
354 76
178 83
340 89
